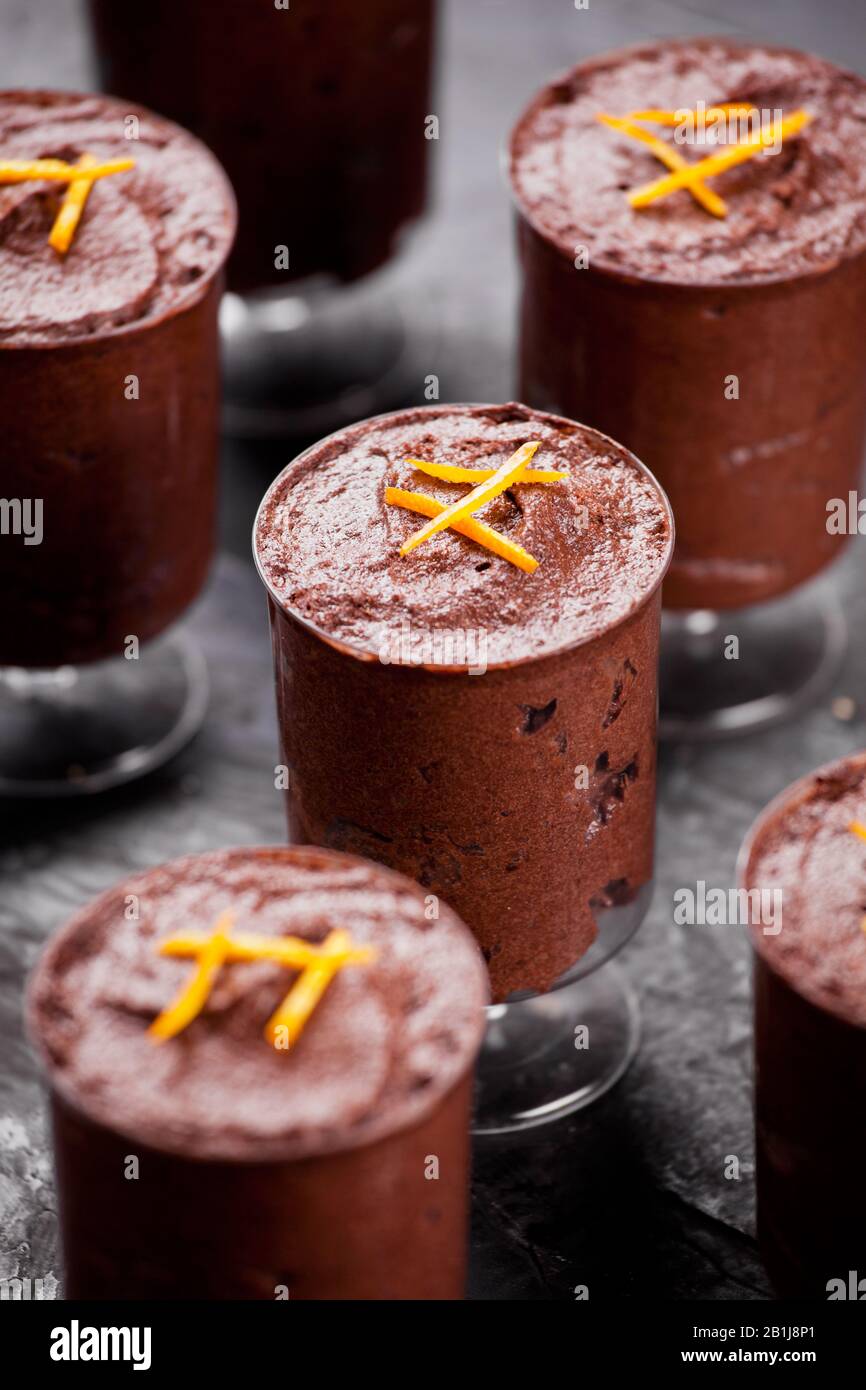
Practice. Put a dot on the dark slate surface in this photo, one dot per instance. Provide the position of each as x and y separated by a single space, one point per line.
628 1197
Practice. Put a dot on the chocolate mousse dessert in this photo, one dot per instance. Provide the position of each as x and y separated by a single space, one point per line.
474 707
316 109
810 1030
261 1066
109 373
715 328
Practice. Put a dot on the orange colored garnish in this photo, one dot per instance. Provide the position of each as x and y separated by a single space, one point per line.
450 473
474 530
711 113
291 951
717 163
194 995
287 1023
318 965
66 222
509 473
57 170
80 184
668 155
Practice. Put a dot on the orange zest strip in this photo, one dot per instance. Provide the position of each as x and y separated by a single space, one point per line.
722 108
294 1012
69 216
57 170
717 163
194 995
318 965
509 473
469 527
670 157
474 530
450 473
291 951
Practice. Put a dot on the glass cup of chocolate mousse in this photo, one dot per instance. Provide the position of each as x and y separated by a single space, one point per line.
715 328
109 396
319 112
477 707
261 1081
804 865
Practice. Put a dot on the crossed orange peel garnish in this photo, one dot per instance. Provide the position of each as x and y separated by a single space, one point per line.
489 483
79 177
317 964
691 176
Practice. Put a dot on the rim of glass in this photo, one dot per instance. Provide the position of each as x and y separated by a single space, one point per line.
198 290
415 1112
365 654
787 796
631 277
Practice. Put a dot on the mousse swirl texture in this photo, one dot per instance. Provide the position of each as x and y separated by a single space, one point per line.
328 543
264 1172
387 1040
789 212
150 239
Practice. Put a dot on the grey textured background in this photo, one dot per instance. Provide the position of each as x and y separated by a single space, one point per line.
628 1197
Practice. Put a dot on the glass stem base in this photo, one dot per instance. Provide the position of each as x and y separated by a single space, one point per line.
302 362
84 729
548 1055
727 673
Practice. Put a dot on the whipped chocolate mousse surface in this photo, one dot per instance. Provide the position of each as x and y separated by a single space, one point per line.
384 1045
150 239
800 210
328 544
805 847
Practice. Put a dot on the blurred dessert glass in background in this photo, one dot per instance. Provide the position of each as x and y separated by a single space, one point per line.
725 347
318 111
109 393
